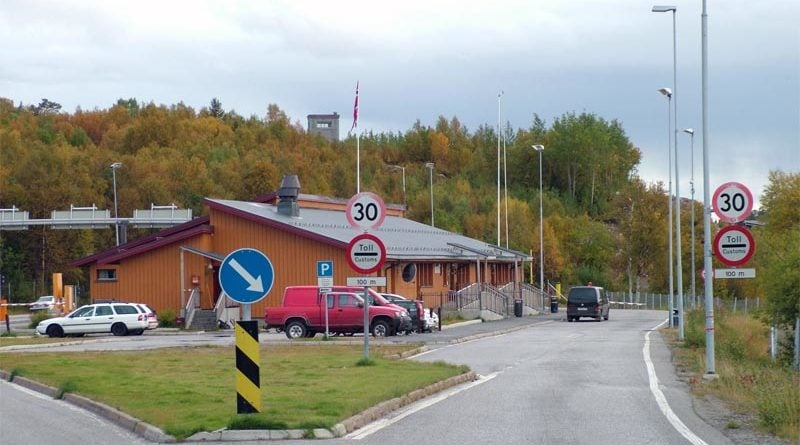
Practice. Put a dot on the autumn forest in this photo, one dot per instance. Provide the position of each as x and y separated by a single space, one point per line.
602 222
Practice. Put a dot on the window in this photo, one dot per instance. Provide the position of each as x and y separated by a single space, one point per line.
102 310
425 273
323 124
106 274
125 309
347 301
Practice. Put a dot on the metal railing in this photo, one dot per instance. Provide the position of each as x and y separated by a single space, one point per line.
191 306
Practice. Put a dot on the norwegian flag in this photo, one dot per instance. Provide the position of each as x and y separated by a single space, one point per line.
355 111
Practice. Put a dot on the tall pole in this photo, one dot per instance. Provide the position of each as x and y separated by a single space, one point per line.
498 167
667 92
505 186
430 168
672 9
690 132
403 170
114 168
540 149
678 257
709 282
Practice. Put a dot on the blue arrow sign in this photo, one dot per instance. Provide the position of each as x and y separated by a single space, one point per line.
246 275
324 269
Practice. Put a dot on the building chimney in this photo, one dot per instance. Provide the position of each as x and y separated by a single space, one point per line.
287 196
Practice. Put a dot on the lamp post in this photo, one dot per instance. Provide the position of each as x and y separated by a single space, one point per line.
402 169
674 10
668 93
540 149
690 132
114 168
430 169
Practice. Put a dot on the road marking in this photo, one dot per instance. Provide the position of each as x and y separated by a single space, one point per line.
661 400
416 407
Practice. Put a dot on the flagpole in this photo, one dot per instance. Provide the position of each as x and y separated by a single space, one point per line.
498 167
358 142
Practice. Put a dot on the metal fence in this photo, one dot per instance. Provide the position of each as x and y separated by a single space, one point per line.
624 300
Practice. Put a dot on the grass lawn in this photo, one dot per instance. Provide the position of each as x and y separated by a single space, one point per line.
186 390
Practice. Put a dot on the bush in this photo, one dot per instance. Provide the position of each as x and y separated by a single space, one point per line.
37 317
166 318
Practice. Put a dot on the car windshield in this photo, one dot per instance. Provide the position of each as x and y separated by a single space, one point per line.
583 295
85 311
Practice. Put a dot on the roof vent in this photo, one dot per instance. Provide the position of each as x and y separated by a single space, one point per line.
287 196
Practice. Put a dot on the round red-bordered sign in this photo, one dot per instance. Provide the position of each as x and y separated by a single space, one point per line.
366 253
365 210
732 202
734 245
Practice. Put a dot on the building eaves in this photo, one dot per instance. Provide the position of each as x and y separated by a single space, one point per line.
155 244
97 257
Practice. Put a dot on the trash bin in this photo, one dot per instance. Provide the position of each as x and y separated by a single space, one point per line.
675 318
553 305
518 308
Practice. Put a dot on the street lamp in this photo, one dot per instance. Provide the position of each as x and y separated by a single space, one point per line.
430 169
114 168
667 92
690 132
674 10
540 149
402 169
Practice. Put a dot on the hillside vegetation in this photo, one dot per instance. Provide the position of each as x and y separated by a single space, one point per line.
601 221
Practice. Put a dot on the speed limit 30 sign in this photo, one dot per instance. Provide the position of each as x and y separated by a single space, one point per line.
366 211
732 202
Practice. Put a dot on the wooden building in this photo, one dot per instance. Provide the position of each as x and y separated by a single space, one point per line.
294 231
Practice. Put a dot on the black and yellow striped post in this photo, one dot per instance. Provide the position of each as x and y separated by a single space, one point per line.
248 380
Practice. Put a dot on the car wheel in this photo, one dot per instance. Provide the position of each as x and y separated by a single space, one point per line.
119 329
296 329
381 329
54 331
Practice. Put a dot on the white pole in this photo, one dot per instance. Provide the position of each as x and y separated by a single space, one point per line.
678 257
358 164
498 167
691 183
709 282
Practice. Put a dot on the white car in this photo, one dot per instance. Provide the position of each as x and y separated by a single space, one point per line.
152 317
114 318
48 302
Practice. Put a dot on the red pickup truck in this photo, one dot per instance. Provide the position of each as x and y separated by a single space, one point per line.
302 313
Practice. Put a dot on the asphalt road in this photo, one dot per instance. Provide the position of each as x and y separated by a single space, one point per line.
31 418
544 381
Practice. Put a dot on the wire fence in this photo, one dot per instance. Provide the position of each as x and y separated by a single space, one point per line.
653 301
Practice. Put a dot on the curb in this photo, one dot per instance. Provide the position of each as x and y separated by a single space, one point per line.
143 429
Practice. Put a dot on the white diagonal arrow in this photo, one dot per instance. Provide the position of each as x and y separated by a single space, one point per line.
255 283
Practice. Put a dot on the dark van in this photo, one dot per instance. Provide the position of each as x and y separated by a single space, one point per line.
587 301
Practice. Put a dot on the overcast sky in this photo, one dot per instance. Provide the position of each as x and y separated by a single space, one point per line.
422 59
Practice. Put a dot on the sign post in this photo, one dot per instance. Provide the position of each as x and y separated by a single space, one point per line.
366 254
246 276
